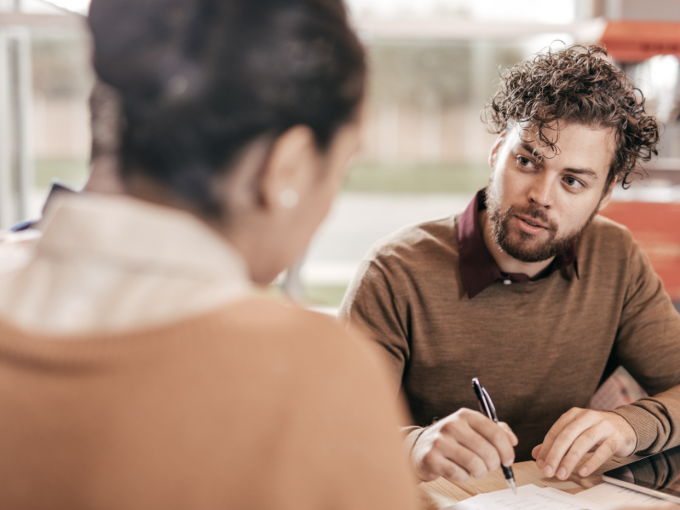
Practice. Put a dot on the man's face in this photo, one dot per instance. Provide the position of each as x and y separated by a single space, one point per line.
539 203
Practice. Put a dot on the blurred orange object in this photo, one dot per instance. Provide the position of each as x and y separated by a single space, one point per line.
656 227
635 41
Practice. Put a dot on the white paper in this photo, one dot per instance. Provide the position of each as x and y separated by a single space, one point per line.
528 497
613 494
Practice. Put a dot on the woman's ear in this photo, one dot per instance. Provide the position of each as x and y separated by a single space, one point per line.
291 167
495 149
239 188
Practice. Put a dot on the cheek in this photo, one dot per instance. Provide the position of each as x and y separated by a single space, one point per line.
505 186
325 189
573 216
318 205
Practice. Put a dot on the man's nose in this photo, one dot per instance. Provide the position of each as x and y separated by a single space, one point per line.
541 191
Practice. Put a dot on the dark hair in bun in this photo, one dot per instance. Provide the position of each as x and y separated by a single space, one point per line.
199 79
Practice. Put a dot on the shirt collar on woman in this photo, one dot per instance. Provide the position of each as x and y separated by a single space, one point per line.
112 263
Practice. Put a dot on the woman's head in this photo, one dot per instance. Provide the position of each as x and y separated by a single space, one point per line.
215 92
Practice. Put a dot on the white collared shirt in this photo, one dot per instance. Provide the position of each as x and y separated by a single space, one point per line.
112 263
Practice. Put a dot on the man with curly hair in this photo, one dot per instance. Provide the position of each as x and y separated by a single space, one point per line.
529 290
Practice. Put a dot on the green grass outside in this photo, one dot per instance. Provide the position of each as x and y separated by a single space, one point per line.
324 295
364 178
70 172
314 295
415 178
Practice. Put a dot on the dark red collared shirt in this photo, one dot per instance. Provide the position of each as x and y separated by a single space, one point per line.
478 267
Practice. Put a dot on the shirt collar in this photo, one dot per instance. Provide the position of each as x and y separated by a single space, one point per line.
107 264
138 234
478 267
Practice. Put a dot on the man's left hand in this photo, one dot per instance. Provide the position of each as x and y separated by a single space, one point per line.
579 431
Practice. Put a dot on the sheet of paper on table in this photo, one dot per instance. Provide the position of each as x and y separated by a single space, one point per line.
528 497
613 494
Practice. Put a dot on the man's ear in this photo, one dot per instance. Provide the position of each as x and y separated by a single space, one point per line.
495 149
604 201
291 166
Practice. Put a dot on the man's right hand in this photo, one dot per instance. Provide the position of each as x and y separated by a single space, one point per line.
464 444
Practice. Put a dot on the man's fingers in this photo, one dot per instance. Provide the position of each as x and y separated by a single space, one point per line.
552 434
467 440
456 473
563 441
480 457
603 452
506 428
583 444
469 460
605 433
497 439
449 469
536 454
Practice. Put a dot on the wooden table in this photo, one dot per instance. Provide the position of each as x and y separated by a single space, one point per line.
442 492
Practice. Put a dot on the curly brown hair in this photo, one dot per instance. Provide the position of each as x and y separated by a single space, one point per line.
577 84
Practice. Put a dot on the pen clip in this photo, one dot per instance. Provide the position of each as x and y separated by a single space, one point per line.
482 397
489 403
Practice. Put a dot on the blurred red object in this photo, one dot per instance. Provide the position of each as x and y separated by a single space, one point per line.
656 227
635 41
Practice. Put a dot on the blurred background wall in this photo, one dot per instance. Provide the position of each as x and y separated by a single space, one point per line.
434 64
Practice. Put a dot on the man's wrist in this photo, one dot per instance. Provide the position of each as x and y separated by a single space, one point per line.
643 423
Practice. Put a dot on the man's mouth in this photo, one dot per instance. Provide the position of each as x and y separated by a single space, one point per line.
532 223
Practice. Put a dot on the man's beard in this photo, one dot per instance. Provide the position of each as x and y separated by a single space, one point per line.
527 248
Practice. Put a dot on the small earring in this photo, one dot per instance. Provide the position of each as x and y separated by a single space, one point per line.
289 198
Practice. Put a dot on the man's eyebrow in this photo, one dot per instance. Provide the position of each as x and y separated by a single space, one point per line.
531 150
527 148
583 171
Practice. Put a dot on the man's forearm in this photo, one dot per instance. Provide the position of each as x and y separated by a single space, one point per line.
656 421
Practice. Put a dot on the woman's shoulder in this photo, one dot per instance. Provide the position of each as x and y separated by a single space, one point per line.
301 336
281 321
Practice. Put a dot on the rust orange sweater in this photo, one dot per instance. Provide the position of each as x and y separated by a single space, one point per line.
255 405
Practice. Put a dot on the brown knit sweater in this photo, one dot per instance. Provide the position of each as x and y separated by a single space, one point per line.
225 410
539 347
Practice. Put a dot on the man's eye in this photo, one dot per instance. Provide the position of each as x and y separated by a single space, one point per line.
524 161
573 183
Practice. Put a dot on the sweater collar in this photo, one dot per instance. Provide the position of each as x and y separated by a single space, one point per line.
478 267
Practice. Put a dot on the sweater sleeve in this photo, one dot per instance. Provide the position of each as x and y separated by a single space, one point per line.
648 346
372 303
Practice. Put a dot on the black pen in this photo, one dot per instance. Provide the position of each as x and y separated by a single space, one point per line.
489 410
